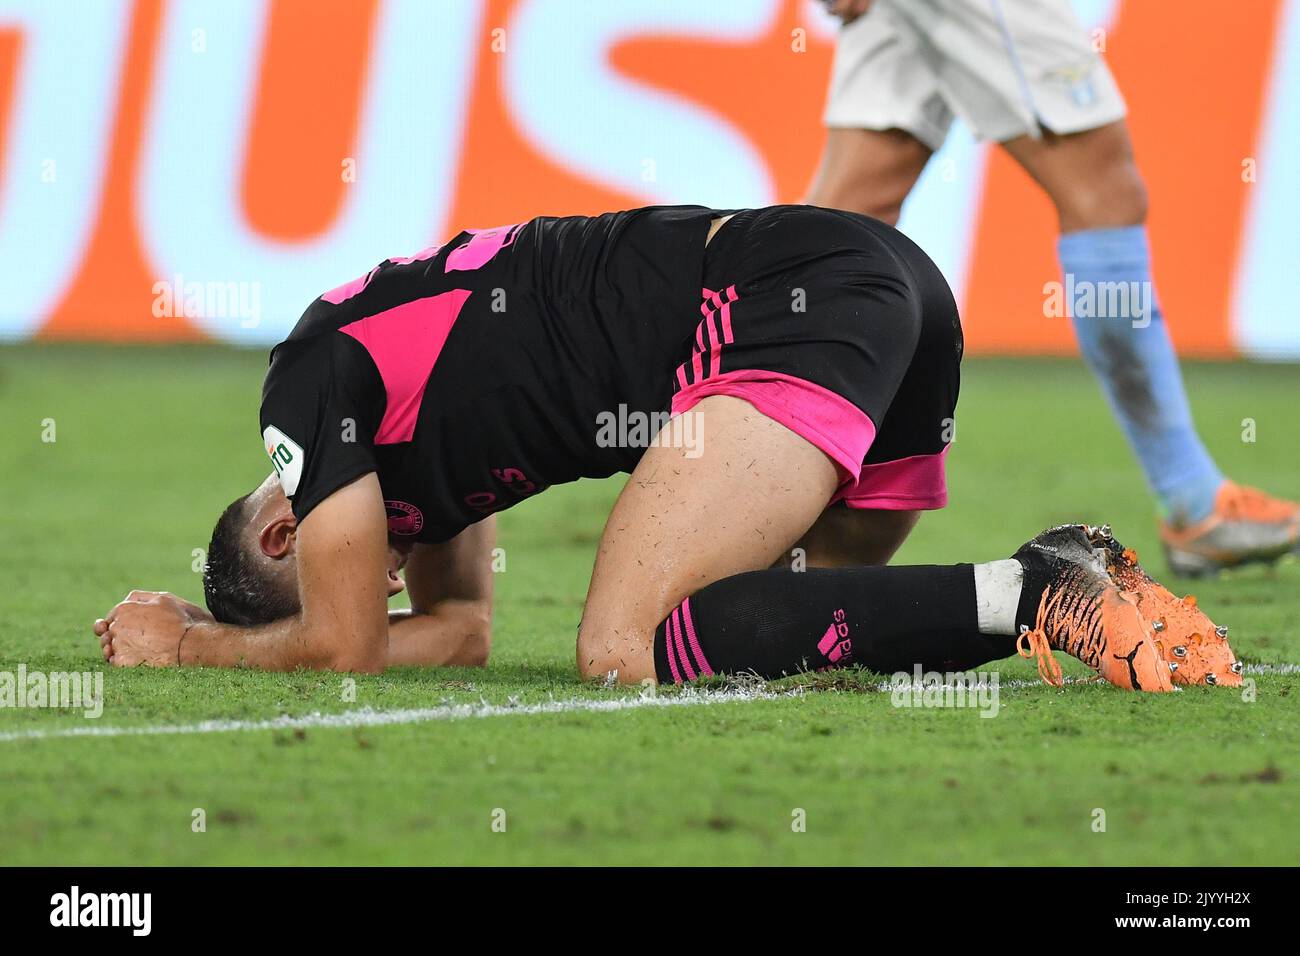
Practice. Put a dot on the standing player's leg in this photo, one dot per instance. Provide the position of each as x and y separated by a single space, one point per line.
1093 180
868 171
884 114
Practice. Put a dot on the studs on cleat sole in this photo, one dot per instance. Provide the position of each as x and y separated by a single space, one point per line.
1180 650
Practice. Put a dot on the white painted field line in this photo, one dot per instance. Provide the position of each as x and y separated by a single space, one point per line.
367 717
1272 669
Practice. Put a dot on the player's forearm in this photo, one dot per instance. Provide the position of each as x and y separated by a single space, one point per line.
452 633
283 646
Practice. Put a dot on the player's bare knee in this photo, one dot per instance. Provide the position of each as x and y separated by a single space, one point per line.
877 199
1111 196
869 172
619 649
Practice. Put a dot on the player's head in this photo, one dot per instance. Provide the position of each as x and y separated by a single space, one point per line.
251 575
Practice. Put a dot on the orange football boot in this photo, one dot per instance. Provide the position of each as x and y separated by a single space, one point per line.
1084 614
1195 650
1246 525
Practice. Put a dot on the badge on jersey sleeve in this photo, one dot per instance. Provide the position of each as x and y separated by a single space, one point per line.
286 455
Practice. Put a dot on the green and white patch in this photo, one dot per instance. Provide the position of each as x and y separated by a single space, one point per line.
286 455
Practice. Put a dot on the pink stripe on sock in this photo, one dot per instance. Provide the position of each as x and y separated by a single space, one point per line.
681 645
705 669
697 366
681 376
668 650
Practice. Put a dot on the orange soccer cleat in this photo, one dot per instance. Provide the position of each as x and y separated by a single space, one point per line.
1193 648
1083 613
1246 525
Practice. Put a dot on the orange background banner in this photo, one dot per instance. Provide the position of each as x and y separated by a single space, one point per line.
1197 77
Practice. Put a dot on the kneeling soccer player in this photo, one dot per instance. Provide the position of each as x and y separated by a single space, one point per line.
817 354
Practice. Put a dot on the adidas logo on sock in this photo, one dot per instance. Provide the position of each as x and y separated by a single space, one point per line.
835 644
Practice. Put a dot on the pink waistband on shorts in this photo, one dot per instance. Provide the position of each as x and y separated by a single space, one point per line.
827 420
908 484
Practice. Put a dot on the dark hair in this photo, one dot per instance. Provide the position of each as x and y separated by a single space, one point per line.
238 588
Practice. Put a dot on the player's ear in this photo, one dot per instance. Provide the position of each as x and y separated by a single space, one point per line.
279 537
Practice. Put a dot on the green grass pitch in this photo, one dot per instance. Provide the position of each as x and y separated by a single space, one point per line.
150 443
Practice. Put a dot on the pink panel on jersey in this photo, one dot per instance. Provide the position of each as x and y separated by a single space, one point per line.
405 342
829 421
908 484
485 244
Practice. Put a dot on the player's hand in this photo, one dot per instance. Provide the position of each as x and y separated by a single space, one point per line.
147 628
848 10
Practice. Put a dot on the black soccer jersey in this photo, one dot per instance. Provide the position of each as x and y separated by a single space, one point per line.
471 375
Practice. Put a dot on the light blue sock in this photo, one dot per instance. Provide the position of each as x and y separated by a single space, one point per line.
1132 356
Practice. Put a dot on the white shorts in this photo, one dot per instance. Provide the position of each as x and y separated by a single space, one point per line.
1006 67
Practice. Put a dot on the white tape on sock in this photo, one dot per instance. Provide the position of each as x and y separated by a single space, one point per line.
997 595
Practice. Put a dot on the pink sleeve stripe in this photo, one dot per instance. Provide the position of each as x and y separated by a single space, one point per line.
917 483
347 290
421 256
827 420
482 246
705 669
404 343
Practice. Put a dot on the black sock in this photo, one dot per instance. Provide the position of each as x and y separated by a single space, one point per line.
779 622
